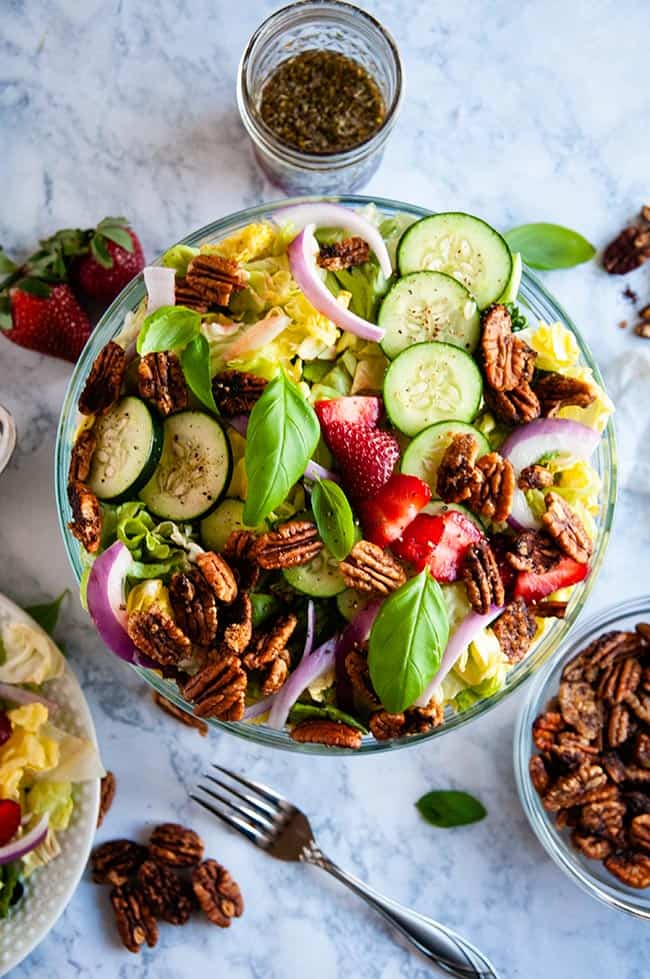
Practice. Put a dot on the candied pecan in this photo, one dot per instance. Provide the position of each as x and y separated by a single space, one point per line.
642 749
181 715
164 892
517 407
219 575
565 526
106 796
162 382
580 708
572 749
593 847
239 550
369 569
640 832
322 731
385 726
573 789
135 922
533 551
638 803
238 621
622 678
546 727
515 629
292 543
458 478
613 765
599 655
492 496
549 610
618 726
482 578
86 524
175 845
567 817
116 861
539 775
104 382
157 635
269 652
185 295
344 254
637 775
217 893
236 392
629 250
630 867
643 630
604 818
642 329
82 456
534 477
507 360
215 278
356 667
416 720
640 706
194 605
218 690
555 391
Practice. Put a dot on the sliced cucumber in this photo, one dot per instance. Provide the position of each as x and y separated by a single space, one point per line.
459 245
424 454
129 442
194 468
350 602
320 578
437 507
429 383
218 526
428 306
511 291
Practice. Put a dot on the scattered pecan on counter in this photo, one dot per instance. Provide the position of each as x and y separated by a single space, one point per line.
292 543
218 689
135 921
215 278
157 635
82 456
631 248
175 845
218 895
104 383
236 392
162 382
164 892
116 861
368 568
344 254
268 653
322 731
566 528
86 524
107 788
181 715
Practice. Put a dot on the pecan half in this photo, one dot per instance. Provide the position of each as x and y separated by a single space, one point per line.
593 847
613 765
369 569
555 391
534 477
180 715
215 278
621 679
580 708
599 655
194 605
640 705
618 726
185 295
546 727
175 845
630 867
515 629
82 456
218 690
157 635
640 832
638 803
642 749
643 630
356 667
116 861
573 749
104 382
343 254
331 733
107 787
135 922
637 775
416 720
482 578
292 543
507 360
629 250
549 610
237 392
493 496
458 479
565 526
604 818
218 894
219 576
269 653
238 619
539 775
239 550
574 788
86 524
516 407
164 893
533 551
162 382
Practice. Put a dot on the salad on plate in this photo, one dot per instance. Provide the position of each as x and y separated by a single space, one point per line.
328 477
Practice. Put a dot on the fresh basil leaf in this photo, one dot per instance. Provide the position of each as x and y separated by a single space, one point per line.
407 641
549 246
10 877
47 614
303 712
6 265
100 251
34 287
195 361
447 807
168 328
119 236
282 434
334 517
519 321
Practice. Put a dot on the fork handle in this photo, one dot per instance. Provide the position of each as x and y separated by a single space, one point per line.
441 945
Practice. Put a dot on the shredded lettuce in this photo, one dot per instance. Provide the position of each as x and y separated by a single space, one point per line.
41 855
179 257
30 656
54 798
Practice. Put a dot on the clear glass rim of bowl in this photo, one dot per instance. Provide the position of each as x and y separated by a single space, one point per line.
261 134
557 847
546 308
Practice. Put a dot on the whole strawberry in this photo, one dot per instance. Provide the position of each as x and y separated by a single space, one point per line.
115 256
56 325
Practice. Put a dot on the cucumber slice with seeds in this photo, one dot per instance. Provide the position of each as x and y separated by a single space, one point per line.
218 526
423 456
428 306
429 383
129 442
460 245
320 578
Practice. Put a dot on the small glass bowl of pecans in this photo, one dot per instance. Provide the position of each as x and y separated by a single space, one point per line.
582 757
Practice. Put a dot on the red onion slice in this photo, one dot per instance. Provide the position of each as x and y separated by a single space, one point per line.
20 847
107 601
239 423
160 284
315 471
259 708
327 215
257 335
311 628
310 668
17 695
302 252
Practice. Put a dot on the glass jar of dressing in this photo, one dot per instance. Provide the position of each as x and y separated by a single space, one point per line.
319 88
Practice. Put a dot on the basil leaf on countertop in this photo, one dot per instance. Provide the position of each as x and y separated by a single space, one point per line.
282 435
47 614
334 517
168 328
447 807
549 246
407 641
195 361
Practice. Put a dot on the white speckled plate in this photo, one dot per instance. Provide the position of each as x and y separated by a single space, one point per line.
49 889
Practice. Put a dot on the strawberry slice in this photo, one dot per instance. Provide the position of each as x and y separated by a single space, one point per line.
439 541
534 587
366 456
357 410
393 508
9 820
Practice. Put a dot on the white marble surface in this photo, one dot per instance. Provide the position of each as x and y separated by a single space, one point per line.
518 111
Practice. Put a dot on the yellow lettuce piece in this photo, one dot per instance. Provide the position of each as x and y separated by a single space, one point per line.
482 660
555 345
54 798
595 415
253 242
30 655
147 594
25 754
41 855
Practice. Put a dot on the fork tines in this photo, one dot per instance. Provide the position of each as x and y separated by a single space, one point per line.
255 814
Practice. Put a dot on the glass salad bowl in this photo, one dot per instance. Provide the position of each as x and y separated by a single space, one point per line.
540 305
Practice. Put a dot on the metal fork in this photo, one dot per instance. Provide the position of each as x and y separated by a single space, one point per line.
283 831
